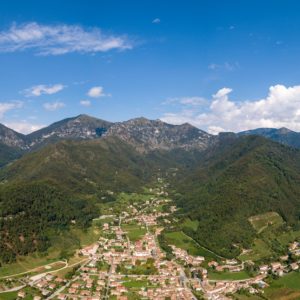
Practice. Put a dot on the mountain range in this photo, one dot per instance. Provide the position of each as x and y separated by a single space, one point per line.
145 135
220 181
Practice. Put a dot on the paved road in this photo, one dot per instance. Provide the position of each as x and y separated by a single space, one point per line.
57 292
15 289
108 280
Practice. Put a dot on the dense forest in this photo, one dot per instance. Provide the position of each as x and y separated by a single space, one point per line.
30 211
251 175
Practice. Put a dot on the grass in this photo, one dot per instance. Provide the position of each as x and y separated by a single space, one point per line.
180 240
228 275
289 281
8 296
26 263
88 236
136 284
246 297
288 237
134 231
260 250
261 222
190 224
30 293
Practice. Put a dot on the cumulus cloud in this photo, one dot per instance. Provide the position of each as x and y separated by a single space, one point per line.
280 108
7 106
59 39
41 89
23 126
54 105
156 21
96 92
85 102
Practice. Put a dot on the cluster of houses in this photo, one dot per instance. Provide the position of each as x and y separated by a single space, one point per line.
294 248
182 255
216 290
102 276
44 286
230 265
279 268
89 286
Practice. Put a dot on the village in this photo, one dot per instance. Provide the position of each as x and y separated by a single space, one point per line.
125 264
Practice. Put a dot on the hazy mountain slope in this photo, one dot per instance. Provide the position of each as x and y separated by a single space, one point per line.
282 135
8 154
252 175
87 167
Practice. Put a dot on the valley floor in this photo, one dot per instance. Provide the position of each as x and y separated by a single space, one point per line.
123 258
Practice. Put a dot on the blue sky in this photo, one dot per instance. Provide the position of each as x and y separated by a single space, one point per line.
220 65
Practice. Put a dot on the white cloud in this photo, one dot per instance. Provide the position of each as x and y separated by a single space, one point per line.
96 92
194 100
59 39
156 21
41 89
7 106
226 66
54 106
23 126
280 108
85 102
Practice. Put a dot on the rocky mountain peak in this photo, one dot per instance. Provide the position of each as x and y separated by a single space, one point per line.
11 138
147 135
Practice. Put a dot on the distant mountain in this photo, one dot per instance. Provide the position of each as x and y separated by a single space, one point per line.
147 135
143 134
12 145
282 135
237 178
82 127
12 138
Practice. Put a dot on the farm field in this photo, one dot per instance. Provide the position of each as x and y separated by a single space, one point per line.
134 231
261 222
228 275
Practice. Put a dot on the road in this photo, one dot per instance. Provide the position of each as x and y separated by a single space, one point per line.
57 292
108 280
15 289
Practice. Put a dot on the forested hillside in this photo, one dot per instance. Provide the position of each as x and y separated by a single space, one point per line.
31 212
251 176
